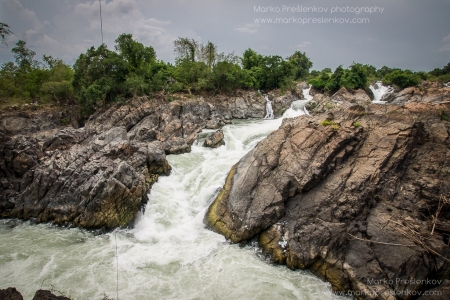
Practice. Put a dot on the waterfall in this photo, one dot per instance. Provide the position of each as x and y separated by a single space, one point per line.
298 107
269 110
379 90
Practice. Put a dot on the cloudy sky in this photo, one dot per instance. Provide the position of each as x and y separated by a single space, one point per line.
413 34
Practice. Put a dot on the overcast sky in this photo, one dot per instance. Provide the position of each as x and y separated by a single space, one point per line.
413 34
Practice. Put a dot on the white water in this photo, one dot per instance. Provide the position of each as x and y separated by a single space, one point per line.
169 254
379 92
269 110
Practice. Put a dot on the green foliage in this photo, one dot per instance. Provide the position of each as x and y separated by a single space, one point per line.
335 126
99 78
441 75
356 124
300 65
352 78
401 79
193 76
326 122
355 77
29 80
270 72
445 116
4 31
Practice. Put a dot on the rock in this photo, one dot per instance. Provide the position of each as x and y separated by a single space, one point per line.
48 295
214 140
347 200
98 177
10 294
427 92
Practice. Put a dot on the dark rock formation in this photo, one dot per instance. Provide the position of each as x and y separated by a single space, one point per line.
352 199
10 294
47 295
214 140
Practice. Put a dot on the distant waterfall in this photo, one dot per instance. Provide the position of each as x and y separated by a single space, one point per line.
269 110
379 90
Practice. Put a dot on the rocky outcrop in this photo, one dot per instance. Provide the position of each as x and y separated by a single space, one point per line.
10 294
214 140
48 295
98 176
350 195
339 100
427 92
13 294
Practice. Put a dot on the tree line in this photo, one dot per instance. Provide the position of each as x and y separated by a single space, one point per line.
359 76
102 76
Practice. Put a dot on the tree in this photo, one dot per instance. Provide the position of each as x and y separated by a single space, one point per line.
138 56
185 48
23 56
355 77
251 59
193 76
99 78
4 31
208 54
301 64
401 79
334 82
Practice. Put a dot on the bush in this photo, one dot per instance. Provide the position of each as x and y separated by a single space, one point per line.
401 79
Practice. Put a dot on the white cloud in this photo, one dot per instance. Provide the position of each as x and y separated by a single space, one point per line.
444 48
303 45
124 16
446 39
36 35
248 28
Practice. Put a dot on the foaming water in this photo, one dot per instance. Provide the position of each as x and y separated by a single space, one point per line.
169 254
269 110
380 91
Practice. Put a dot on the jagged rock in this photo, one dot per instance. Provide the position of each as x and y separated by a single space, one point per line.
346 200
48 295
92 182
339 100
10 294
214 140
427 92
99 176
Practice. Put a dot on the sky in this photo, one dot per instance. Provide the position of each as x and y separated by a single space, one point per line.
409 34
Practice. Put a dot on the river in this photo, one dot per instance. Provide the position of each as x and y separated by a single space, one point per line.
169 254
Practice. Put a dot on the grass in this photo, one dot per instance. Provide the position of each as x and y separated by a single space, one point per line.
356 124
445 116
327 122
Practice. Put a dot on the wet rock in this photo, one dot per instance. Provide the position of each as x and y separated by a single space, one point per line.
214 140
351 199
10 294
48 295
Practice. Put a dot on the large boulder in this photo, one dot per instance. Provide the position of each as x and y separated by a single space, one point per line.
350 197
